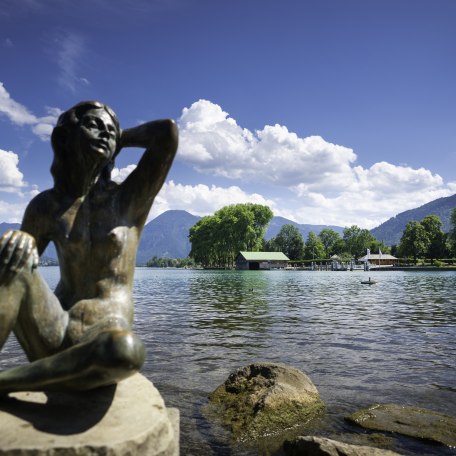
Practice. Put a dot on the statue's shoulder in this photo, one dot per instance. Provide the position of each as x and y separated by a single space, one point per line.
45 202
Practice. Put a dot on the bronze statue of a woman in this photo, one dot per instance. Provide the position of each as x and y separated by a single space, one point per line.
80 337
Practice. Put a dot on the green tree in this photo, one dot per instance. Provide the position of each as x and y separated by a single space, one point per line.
156 262
394 250
289 240
414 241
204 245
314 247
339 249
377 246
262 215
217 239
437 238
357 240
330 240
269 245
452 232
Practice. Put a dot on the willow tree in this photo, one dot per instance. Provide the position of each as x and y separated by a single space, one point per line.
217 239
204 248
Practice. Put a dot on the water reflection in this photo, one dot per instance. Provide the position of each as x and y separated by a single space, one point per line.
391 342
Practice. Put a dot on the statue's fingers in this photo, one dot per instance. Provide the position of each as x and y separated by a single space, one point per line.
31 253
22 254
36 258
7 254
4 240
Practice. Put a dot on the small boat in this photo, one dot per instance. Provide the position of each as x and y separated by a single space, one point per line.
368 282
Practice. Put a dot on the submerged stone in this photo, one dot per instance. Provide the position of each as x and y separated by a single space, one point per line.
319 446
410 421
266 398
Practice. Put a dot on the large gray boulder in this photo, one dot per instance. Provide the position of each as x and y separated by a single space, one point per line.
127 419
411 421
319 446
265 398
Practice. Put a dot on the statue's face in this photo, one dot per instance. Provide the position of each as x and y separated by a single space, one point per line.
97 134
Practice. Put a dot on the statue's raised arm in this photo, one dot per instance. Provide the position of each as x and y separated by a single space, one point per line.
80 336
160 139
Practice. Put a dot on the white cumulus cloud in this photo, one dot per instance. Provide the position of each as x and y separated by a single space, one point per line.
212 142
120 174
328 186
201 199
11 213
11 179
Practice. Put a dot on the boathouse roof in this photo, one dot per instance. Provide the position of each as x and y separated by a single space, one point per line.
377 256
264 256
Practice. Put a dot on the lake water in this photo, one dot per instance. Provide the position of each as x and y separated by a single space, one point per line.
392 342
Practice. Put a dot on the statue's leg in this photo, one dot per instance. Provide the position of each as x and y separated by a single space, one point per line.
32 311
108 352
41 322
10 301
106 359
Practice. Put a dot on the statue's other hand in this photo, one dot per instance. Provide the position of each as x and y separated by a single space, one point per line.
17 252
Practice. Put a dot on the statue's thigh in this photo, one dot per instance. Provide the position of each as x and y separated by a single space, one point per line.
42 323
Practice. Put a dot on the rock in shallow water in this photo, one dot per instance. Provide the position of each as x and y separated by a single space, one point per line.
265 398
410 421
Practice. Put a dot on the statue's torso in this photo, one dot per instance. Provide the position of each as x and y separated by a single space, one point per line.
96 248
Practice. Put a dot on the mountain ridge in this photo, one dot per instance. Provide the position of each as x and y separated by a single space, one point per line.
390 232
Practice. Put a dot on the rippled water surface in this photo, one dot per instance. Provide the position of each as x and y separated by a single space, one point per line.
394 341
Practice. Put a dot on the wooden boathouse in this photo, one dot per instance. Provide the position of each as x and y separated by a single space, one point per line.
380 259
261 260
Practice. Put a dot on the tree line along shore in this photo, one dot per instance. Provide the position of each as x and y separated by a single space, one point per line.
216 241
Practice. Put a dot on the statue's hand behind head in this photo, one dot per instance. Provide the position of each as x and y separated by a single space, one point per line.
18 254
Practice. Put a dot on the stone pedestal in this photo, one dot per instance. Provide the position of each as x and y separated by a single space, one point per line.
127 419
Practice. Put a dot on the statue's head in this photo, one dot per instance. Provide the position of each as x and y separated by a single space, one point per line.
89 131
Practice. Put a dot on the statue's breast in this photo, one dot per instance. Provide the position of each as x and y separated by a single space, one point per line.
92 230
113 242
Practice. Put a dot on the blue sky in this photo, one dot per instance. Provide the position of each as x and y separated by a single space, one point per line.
329 111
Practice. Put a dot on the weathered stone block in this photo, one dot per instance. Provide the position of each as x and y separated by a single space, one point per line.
127 419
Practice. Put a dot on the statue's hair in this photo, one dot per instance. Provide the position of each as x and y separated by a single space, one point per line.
67 124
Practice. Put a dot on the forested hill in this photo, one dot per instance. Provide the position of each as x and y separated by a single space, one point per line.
390 232
166 236
277 223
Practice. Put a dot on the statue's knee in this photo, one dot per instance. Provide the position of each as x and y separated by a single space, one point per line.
121 349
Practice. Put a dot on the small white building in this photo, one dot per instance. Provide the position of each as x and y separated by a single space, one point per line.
380 259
